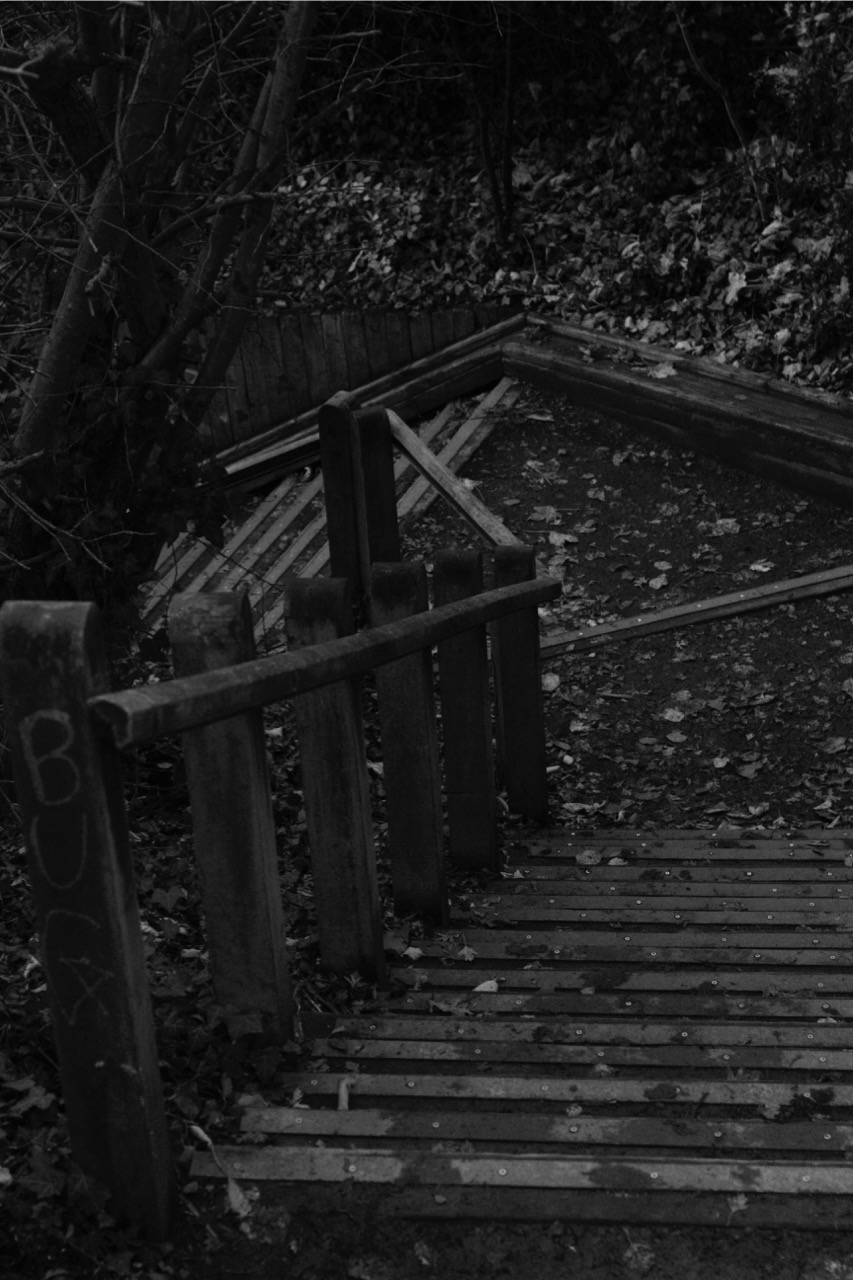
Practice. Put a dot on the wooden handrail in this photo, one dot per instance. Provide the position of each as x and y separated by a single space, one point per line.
160 710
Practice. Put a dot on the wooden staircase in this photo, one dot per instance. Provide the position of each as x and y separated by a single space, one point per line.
631 1026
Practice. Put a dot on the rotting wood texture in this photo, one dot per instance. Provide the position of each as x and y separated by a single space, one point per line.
574 1073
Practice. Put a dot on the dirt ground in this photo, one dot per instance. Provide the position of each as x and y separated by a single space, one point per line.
742 720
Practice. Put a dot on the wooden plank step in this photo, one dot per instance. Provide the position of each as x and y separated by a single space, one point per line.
769 1099
666 1038
679 913
330 1164
496 1129
820 983
557 1030
690 1005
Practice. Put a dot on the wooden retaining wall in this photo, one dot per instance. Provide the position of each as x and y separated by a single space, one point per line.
295 360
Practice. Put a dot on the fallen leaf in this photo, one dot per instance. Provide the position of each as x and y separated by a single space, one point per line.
550 682
663 370
490 986
588 858
673 715
466 953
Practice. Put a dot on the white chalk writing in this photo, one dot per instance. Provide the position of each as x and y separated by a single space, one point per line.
67 775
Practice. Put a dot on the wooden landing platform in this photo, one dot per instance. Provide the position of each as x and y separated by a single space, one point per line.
626 1027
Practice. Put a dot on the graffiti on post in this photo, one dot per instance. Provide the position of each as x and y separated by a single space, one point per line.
59 848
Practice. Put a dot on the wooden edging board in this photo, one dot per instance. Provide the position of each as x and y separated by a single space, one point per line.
800 441
825 583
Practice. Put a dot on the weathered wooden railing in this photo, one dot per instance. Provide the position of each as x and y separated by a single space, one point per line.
67 731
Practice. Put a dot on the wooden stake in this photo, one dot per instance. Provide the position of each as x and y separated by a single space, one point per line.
233 826
468 754
72 810
518 693
410 751
335 790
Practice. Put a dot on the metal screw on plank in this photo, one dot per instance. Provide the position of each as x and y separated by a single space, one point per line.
297 1120
502 1172
573 1128
410 1084
435 1124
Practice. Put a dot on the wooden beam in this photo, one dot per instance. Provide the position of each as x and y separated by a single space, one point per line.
157 710
335 790
518 694
233 826
751 600
412 774
451 487
72 811
469 767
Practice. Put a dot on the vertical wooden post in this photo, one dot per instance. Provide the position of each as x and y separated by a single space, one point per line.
518 693
343 488
468 754
410 751
72 808
335 790
233 826
380 490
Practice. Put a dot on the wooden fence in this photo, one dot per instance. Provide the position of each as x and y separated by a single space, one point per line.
67 731
295 360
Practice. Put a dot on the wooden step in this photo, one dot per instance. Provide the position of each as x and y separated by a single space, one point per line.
565 1051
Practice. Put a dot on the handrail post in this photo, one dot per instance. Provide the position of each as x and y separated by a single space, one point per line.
343 492
376 444
468 752
357 458
73 813
518 693
233 826
335 789
411 770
